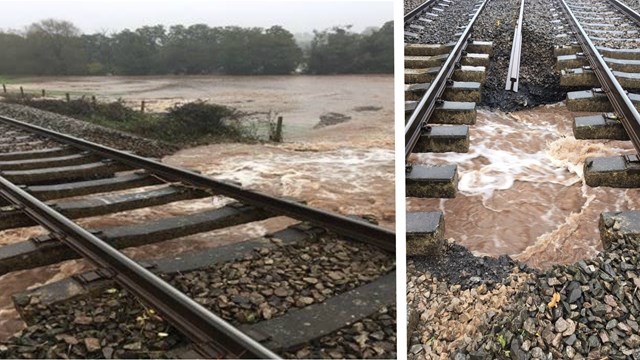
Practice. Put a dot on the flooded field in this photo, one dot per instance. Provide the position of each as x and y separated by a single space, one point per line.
299 99
521 190
346 168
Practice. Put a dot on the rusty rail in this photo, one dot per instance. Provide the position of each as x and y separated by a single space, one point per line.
621 103
355 229
211 336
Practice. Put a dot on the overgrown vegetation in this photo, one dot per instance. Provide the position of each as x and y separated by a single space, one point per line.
53 47
189 124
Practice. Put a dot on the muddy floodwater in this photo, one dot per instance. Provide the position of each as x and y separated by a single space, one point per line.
299 99
346 168
521 190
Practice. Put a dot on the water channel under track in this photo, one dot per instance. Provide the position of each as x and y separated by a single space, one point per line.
521 190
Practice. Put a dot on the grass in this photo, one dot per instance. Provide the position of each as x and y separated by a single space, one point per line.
183 125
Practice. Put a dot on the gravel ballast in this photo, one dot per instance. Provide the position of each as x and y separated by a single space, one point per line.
269 282
539 80
412 4
265 284
589 309
85 130
443 28
372 337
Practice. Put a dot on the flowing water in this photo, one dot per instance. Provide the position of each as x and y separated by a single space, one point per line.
521 190
346 168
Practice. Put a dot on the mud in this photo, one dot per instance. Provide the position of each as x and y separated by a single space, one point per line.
521 190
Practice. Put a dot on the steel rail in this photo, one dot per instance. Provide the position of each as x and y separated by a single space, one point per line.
408 17
355 229
212 336
513 75
626 10
420 116
629 116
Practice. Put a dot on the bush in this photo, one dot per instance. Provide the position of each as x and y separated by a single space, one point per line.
200 118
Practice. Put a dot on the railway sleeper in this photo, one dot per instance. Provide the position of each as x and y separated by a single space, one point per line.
121 182
448 112
613 171
425 233
621 54
432 181
594 101
602 126
30 164
286 332
96 281
464 73
566 62
47 250
38 154
106 204
94 170
477 47
457 91
560 50
452 138
417 62
302 326
21 144
582 77
619 225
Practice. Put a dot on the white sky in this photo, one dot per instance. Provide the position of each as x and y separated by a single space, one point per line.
296 16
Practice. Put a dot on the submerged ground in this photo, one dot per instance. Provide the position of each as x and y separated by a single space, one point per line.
347 168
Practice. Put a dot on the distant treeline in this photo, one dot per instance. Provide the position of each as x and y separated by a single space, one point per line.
53 47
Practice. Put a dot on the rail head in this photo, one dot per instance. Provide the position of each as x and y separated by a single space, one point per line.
355 229
626 10
420 116
212 336
621 103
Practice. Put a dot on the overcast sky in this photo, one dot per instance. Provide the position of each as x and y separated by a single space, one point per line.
114 15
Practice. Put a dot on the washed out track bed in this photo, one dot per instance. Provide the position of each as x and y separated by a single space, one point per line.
469 307
324 286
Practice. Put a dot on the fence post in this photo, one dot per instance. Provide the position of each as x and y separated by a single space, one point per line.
43 93
68 97
278 137
4 88
142 107
21 92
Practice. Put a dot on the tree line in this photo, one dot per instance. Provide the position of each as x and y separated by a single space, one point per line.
55 47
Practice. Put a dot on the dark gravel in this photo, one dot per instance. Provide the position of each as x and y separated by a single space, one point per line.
589 309
459 266
539 81
443 29
96 133
13 141
611 40
269 282
371 338
111 325
264 284
634 4
412 4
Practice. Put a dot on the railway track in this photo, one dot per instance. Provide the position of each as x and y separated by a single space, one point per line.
605 60
52 180
442 86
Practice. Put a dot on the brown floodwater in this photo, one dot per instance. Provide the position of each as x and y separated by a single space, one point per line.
346 168
521 190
